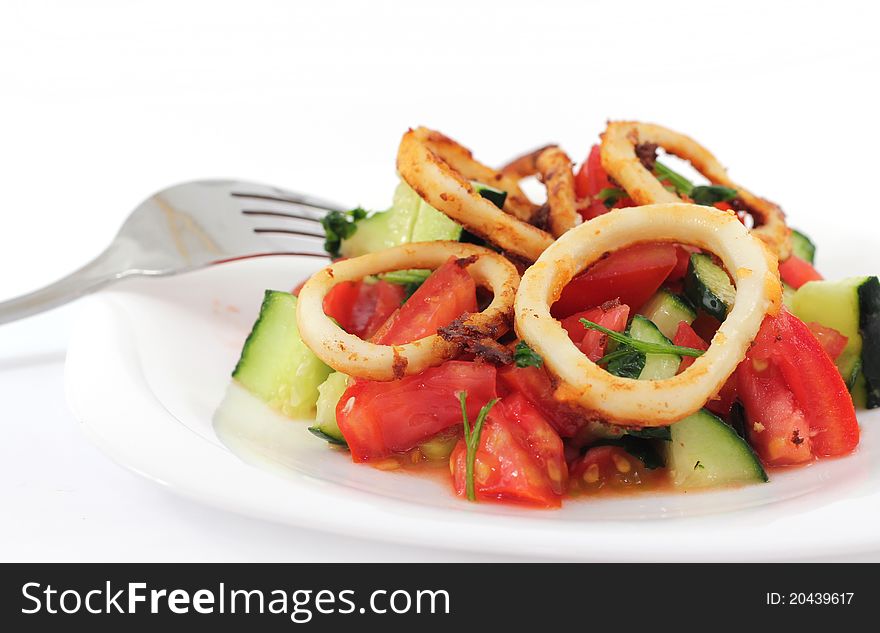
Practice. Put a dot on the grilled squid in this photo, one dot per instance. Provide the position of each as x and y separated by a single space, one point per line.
439 170
619 159
362 359
554 168
626 401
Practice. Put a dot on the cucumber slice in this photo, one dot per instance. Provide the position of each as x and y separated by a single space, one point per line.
657 366
329 392
706 452
275 364
666 310
493 195
708 286
788 296
852 307
410 219
802 246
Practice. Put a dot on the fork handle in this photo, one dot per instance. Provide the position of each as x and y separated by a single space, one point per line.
109 266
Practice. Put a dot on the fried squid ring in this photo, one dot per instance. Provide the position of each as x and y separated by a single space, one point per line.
619 159
356 357
448 190
462 160
631 402
554 167
525 165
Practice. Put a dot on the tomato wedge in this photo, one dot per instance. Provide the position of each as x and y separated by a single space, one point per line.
591 177
589 181
791 388
535 385
796 272
687 337
444 296
630 275
833 342
361 307
612 315
381 418
520 457
609 467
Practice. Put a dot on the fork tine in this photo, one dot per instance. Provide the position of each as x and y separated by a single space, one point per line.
290 232
305 201
279 214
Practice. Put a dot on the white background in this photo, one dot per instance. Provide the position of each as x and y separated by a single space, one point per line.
102 103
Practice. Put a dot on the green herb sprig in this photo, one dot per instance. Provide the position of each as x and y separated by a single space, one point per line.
610 195
525 356
338 226
472 440
639 346
706 195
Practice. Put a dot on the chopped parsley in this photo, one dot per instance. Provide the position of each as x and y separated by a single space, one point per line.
338 226
525 356
708 195
610 196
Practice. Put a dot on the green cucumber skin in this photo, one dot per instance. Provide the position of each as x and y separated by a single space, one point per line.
802 246
697 290
705 452
869 326
493 195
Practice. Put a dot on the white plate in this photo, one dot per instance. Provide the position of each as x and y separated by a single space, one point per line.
149 364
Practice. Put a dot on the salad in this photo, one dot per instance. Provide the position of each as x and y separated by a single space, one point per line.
636 331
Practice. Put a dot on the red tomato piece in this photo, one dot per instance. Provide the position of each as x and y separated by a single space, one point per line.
687 337
520 457
833 342
592 343
375 304
776 426
683 257
535 385
448 293
630 275
609 467
381 418
796 272
593 210
591 177
360 307
705 326
589 181
339 303
787 357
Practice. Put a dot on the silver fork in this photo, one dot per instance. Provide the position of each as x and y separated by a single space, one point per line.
187 227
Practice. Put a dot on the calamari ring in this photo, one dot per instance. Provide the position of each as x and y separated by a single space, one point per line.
631 402
525 165
619 142
554 167
356 357
447 189
462 160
